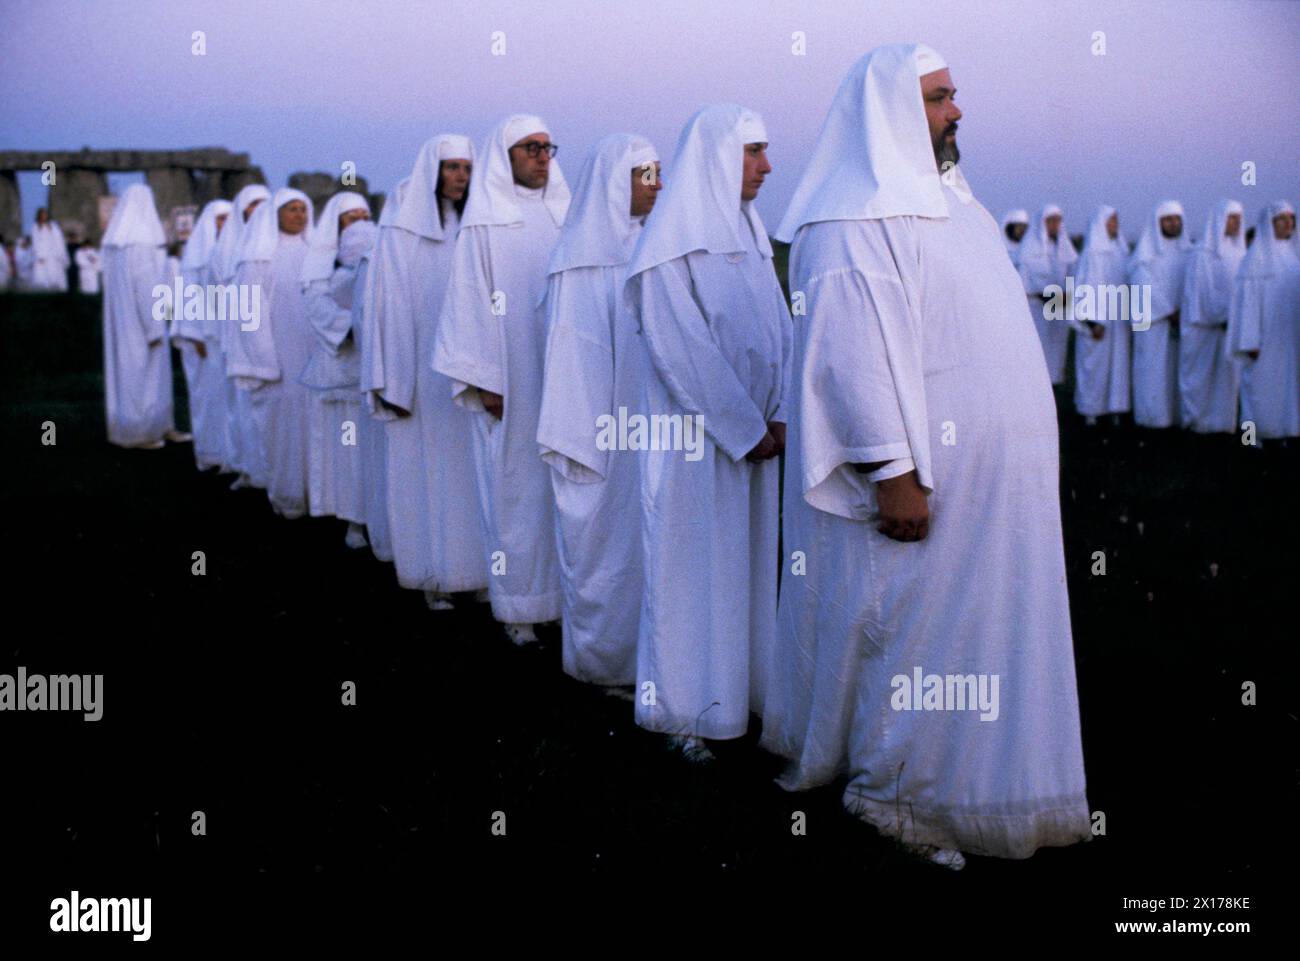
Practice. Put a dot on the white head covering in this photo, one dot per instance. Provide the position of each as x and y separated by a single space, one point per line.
356 242
203 238
393 203
420 212
1038 252
1267 254
600 230
700 206
492 191
1098 238
874 157
135 220
262 233
1017 216
1219 244
223 259
1153 243
319 262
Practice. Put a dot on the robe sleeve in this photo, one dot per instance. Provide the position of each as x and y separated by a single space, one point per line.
1203 303
781 413
189 328
578 383
862 391
327 318
250 354
1245 325
469 349
366 312
687 360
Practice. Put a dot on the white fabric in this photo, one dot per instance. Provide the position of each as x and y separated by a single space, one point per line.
24 264
224 260
50 256
135 220
205 377
374 448
1101 366
324 246
493 199
88 262
594 366
938 336
1207 377
433 495
692 212
1044 262
1264 316
1159 262
599 230
874 156
266 362
717 332
137 359
491 336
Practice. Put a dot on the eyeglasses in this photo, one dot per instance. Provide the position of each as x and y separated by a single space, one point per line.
534 148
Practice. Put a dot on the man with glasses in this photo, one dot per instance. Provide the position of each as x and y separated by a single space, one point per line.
491 343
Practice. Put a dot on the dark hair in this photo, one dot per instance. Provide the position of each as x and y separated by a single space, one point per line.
458 204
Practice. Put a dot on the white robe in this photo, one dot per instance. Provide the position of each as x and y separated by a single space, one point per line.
137 358
1207 377
1039 268
1101 367
371 433
50 266
265 364
1155 350
718 335
186 331
917 345
24 265
1265 316
334 467
88 267
433 490
595 363
504 353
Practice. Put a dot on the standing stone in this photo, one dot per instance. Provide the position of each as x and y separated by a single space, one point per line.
11 206
172 187
74 201
207 186
232 182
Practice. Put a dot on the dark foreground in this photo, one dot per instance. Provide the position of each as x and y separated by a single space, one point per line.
223 695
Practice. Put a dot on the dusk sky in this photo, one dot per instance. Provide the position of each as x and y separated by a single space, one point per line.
1186 92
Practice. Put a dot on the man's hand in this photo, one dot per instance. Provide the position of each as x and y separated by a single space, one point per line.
1097 330
904 511
494 404
777 430
764 449
202 348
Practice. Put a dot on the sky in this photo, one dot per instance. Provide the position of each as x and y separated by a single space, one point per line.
1185 93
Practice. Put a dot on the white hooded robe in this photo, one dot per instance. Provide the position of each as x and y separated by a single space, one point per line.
1101 366
1044 263
1160 262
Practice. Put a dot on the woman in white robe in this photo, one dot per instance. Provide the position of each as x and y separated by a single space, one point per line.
594 367
702 286
372 430
491 338
265 361
1207 375
137 358
205 375
1264 326
432 488
1044 262
243 444
24 264
1159 262
333 375
1018 217
50 250
1101 347
918 353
